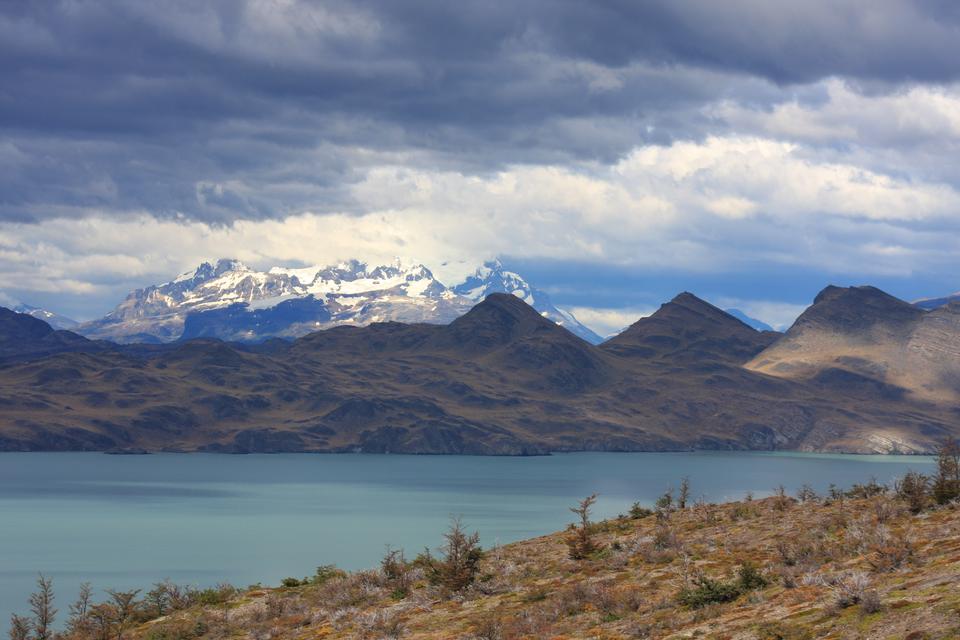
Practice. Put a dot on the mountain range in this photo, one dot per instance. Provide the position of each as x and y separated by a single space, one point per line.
499 379
230 301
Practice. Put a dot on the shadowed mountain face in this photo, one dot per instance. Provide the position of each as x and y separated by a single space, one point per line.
500 379
25 336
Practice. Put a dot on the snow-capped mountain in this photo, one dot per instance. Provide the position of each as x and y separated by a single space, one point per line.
157 313
228 300
759 325
55 320
493 278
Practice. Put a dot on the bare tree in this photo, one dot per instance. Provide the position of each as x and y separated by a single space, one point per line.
580 541
158 598
396 571
19 628
781 499
101 618
41 605
78 623
124 605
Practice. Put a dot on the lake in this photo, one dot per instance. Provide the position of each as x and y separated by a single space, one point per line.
128 521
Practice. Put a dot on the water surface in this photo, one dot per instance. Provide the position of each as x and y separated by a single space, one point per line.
127 521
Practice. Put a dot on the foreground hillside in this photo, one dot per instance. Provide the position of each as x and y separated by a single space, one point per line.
867 563
499 380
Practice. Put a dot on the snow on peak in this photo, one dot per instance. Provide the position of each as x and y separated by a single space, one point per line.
401 290
491 277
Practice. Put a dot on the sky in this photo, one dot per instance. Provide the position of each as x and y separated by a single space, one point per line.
614 152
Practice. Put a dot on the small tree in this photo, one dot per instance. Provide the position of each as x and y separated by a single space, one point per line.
807 494
19 628
78 623
101 617
781 499
914 489
396 571
124 606
665 502
684 494
158 599
41 605
458 567
638 511
946 484
580 541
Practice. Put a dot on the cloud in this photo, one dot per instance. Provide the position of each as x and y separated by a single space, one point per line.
137 139
719 205
779 315
220 111
8 301
607 322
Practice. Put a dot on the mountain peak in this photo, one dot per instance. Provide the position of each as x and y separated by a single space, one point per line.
499 319
688 304
691 328
348 292
55 320
492 277
855 308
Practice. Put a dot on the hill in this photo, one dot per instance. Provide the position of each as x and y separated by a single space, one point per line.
865 563
499 380
861 336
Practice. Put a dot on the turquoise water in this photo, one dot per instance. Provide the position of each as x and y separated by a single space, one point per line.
127 521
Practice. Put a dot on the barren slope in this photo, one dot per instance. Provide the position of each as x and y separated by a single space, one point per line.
499 380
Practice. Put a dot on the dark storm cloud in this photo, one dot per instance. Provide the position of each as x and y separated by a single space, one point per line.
225 110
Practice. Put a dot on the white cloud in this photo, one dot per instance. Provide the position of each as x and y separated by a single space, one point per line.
607 322
911 116
702 207
779 315
8 301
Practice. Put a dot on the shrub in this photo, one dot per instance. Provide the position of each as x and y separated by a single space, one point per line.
870 602
580 540
396 573
749 577
292 582
781 501
638 512
457 569
807 494
665 502
848 589
707 591
914 489
216 595
869 490
327 572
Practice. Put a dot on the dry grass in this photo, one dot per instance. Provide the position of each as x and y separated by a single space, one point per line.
864 568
